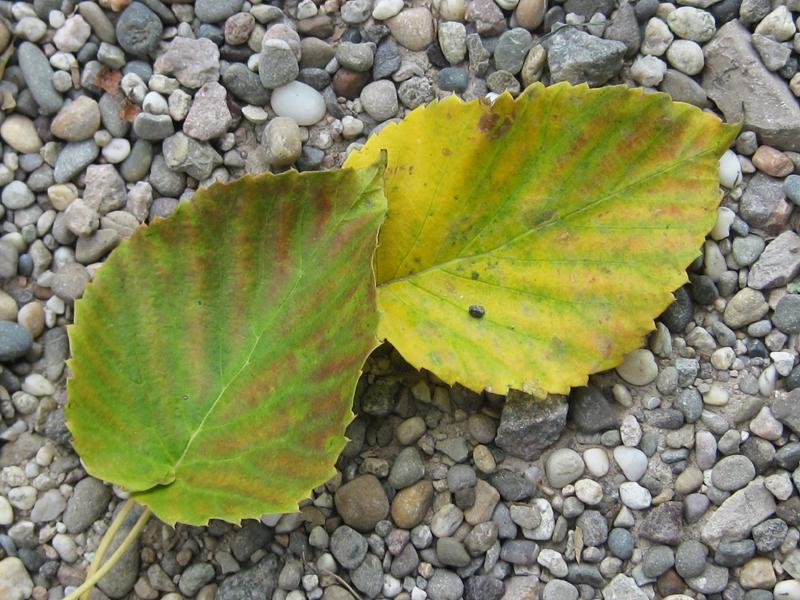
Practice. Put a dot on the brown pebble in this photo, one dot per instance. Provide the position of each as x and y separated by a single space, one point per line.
772 161
239 27
320 26
362 503
410 505
348 84
670 583
31 316
530 13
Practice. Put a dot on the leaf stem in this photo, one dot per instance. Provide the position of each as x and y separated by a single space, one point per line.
106 541
93 576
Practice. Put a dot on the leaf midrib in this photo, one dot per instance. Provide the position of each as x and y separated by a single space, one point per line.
276 311
563 219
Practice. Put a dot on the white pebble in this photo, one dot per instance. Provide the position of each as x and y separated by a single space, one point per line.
37 385
634 496
722 227
588 491
778 25
717 395
686 56
23 497
648 70
713 260
553 562
639 367
155 103
767 381
787 590
386 9
306 9
66 547
117 150
351 127
779 485
630 431
783 361
596 461
298 101
722 358
45 454
730 170
622 395
6 512
255 114
632 462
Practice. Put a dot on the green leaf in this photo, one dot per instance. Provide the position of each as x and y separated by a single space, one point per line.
216 353
568 214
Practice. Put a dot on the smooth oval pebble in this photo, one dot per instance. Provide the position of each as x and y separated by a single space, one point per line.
596 461
299 101
787 590
632 462
639 367
730 170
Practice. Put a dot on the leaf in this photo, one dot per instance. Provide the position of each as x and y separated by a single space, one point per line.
216 353
568 214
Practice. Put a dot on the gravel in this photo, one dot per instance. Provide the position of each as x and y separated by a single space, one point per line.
673 474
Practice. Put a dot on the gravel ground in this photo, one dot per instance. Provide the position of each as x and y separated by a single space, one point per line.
674 476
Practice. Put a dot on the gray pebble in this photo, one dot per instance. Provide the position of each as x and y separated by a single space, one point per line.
215 11
451 552
17 195
135 167
38 75
734 554
151 127
690 558
657 560
519 552
445 585
245 84
138 30
407 469
594 527
787 314
73 159
620 542
791 187
368 576
194 578
348 547
15 340
511 50
277 64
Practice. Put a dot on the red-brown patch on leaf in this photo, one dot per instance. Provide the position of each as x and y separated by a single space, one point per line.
108 80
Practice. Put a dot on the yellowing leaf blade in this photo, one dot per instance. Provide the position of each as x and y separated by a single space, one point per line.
568 214
216 353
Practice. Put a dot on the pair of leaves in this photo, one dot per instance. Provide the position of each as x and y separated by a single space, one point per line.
216 353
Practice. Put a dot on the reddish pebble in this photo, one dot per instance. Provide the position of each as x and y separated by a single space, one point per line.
772 162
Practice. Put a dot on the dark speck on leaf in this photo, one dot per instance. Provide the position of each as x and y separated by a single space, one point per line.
477 311
475 275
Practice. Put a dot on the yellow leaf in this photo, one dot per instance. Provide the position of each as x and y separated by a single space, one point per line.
566 217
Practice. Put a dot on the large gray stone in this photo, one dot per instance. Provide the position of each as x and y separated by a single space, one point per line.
737 81
737 516
763 204
256 583
778 264
577 57
529 426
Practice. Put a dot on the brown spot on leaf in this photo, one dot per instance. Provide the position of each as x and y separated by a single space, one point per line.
108 80
495 126
128 110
